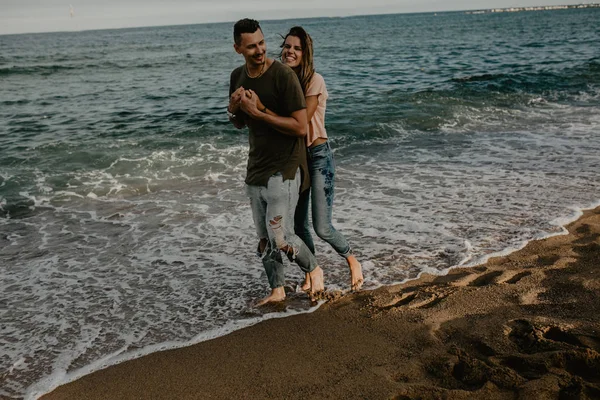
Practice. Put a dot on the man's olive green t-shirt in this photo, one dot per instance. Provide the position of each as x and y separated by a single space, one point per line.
270 150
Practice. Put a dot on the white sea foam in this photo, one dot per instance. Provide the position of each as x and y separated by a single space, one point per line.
61 375
154 251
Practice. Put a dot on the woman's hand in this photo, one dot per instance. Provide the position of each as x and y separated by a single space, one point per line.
252 105
235 100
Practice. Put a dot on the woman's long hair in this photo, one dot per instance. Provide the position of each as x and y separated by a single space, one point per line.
305 70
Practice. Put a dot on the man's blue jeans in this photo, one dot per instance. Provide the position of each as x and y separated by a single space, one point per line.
279 198
321 167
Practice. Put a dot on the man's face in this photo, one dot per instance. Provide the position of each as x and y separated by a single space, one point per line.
253 47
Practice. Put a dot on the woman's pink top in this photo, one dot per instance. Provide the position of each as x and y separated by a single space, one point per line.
316 126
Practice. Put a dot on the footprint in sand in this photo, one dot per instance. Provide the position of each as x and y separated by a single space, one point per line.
516 278
489 278
531 338
404 300
420 299
477 279
486 279
577 354
429 299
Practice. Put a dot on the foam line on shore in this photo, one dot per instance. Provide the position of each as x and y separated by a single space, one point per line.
61 377
562 222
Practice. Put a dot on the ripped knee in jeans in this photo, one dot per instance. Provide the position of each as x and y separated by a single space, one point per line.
279 236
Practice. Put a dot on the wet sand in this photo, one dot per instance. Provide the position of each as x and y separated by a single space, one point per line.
524 326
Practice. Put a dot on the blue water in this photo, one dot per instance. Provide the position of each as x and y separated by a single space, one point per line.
123 223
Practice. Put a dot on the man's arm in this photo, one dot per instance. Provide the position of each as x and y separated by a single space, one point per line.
294 125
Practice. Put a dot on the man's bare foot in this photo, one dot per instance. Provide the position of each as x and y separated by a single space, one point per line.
356 276
306 284
277 294
317 284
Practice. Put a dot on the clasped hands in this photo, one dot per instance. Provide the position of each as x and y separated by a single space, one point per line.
247 101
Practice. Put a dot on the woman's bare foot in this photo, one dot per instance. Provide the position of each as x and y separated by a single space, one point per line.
356 276
306 284
317 284
277 294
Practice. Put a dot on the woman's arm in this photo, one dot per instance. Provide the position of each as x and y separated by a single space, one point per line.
294 125
234 106
311 106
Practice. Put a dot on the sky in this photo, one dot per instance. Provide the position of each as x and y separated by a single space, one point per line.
24 16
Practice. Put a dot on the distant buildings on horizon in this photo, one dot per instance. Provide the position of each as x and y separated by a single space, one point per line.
538 8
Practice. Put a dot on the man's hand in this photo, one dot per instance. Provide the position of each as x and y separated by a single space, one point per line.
250 103
235 100
259 103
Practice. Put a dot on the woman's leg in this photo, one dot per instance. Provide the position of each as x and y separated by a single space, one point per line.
322 171
322 174
302 229
301 225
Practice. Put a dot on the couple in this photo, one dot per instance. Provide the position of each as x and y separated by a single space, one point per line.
283 106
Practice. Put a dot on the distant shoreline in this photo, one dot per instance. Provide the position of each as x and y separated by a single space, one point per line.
533 8
217 22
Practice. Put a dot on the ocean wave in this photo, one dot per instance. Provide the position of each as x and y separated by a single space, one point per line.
35 70
589 71
565 81
479 78
45 70
17 209
467 109
15 102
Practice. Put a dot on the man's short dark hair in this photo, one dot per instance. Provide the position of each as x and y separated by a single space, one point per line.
245 25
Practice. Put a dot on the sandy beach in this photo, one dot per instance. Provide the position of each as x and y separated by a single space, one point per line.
523 326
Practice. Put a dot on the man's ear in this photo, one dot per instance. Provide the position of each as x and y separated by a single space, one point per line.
237 48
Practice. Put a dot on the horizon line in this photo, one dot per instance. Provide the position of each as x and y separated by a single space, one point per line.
306 18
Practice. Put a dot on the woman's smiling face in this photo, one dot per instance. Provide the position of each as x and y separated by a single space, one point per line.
291 54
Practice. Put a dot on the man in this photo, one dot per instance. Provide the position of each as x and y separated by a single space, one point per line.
277 155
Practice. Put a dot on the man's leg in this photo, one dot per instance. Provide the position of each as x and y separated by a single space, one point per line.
273 264
271 257
282 197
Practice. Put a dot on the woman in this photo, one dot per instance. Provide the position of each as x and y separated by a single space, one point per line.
297 52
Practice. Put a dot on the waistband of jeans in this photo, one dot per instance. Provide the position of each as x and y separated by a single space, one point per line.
311 150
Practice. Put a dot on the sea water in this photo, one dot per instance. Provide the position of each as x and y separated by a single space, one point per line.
124 228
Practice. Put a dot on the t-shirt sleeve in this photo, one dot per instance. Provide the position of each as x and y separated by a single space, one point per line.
231 82
292 92
316 86
233 79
